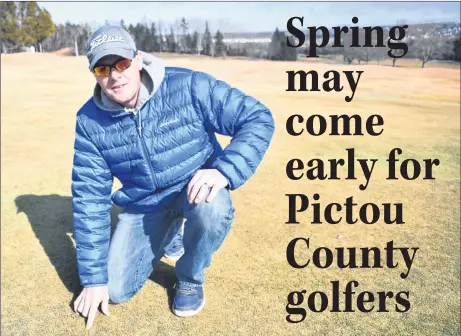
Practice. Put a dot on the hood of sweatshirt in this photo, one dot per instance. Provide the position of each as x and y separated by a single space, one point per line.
152 74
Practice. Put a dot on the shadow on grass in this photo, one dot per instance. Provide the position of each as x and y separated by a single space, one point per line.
51 219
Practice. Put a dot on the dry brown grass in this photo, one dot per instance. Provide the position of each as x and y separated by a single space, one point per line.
250 279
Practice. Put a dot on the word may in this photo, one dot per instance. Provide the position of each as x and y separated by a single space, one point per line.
332 81
312 49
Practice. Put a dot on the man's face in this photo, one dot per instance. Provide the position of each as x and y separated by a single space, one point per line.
121 87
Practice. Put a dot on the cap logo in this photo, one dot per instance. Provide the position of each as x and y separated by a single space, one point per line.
100 39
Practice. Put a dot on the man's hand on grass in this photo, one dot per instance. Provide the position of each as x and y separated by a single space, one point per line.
88 301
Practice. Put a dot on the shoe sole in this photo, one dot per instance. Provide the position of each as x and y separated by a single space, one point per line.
187 313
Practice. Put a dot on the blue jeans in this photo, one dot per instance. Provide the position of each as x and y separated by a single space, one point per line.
139 240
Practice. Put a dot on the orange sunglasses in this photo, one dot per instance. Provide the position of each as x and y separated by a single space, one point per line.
104 70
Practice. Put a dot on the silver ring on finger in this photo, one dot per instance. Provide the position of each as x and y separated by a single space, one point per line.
200 193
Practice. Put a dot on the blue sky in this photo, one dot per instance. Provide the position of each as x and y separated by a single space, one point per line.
255 16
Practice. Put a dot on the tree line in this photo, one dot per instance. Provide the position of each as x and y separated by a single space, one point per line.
425 45
25 23
151 38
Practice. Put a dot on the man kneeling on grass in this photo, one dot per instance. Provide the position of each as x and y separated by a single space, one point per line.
153 128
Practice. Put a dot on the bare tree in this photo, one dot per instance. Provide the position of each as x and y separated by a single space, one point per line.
350 53
431 46
379 54
399 53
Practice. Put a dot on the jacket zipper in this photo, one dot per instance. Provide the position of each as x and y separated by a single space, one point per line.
137 117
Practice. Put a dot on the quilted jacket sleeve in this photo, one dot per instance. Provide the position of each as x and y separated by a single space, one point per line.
91 203
229 111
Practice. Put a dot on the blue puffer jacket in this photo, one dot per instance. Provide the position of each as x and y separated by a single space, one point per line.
155 149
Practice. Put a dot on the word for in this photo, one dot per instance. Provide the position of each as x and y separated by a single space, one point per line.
355 41
324 257
318 301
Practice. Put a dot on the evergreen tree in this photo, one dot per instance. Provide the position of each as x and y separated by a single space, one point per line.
131 30
206 41
82 38
140 34
65 37
154 38
147 41
46 27
171 44
188 44
279 49
161 42
37 25
275 52
289 53
30 23
161 38
219 47
9 26
194 43
21 14
183 42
